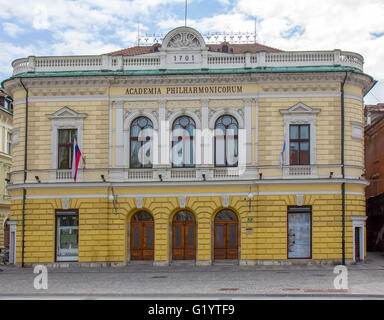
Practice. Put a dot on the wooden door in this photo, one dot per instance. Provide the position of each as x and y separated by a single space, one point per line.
142 238
226 240
184 240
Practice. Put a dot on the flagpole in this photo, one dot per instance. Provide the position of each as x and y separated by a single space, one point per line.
185 15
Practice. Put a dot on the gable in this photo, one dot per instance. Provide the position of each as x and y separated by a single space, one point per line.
299 108
65 113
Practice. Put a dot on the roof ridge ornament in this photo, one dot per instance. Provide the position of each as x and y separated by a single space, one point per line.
183 38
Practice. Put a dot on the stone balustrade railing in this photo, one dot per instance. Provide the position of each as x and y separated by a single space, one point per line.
201 60
193 174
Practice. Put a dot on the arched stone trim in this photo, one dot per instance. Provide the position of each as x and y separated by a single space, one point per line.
177 210
132 212
230 112
217 211
179 113
131 116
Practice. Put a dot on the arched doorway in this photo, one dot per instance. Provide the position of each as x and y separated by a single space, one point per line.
184 236
226 235
142 236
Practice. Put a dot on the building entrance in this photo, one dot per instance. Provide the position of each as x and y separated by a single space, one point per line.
184 236
226 235
142 236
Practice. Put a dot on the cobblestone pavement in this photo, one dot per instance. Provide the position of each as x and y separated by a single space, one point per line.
365 279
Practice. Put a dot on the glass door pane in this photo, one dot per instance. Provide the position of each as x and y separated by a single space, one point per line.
136 236
148 237
219 239
191 236
178 236
232 235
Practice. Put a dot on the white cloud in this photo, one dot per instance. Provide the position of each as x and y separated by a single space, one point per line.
12 29
40 19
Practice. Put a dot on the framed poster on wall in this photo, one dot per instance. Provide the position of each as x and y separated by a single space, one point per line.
299 233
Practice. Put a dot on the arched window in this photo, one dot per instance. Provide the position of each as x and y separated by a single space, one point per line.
184 215
141 143
226 215
226 141
183 131
142 216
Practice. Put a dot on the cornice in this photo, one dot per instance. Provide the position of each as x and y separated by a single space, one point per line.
76 85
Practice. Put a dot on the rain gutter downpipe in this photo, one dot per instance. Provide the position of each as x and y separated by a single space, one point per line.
25 171
343 166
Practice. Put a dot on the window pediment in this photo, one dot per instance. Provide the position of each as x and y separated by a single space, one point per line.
299 108
66 113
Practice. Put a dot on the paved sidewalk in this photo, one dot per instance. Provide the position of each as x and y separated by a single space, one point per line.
365 279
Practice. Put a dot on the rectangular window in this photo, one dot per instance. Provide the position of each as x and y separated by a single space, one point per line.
9 143
67 235
299 144
7 180
65 147
299 233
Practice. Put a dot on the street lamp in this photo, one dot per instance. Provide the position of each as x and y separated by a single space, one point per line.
113 197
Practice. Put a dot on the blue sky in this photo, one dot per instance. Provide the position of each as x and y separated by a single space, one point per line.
68 27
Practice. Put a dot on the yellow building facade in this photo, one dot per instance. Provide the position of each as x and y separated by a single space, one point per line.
189 152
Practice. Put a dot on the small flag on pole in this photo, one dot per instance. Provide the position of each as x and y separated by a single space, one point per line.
282 154
75 159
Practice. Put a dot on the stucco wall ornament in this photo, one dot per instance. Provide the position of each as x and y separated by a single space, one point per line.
184 40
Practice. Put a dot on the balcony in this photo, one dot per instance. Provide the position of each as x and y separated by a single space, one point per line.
297 172
63 175
181 174
211 60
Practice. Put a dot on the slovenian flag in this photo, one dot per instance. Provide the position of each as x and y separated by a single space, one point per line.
75 159
282 154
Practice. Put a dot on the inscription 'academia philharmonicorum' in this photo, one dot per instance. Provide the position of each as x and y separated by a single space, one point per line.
185 90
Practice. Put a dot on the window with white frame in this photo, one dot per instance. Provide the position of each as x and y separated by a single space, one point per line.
300 135
183 146
66 125
141 143
66 138
226 141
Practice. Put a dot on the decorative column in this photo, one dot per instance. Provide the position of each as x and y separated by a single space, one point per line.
119 134
206 142
163 136
248 129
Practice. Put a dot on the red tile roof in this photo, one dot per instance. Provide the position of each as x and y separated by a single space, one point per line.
232 48
133 51
241 47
